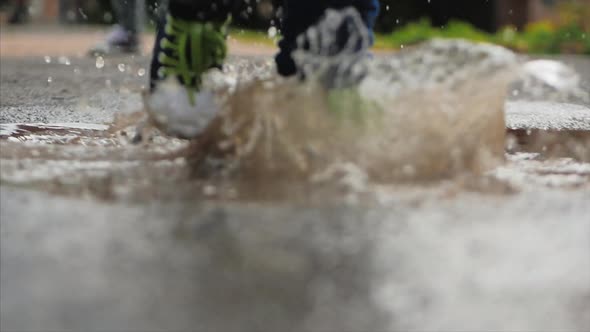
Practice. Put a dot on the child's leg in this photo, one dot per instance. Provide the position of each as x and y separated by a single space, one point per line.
201 10
301 14
369 10
190 41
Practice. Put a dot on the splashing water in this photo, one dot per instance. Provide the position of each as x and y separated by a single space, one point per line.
429 112
551 80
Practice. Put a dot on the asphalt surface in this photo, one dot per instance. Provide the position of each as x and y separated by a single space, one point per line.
34 91
451 256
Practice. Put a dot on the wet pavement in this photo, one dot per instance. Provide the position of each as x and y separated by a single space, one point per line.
91 245
56 40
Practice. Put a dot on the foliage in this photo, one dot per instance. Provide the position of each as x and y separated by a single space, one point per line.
422 30
540 37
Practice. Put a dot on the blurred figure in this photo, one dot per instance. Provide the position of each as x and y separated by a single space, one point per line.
20 12
124 37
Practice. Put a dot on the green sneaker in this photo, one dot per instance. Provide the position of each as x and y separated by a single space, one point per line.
186 49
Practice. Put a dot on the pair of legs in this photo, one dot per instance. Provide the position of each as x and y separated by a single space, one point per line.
20 13
203 21
124 37
127 13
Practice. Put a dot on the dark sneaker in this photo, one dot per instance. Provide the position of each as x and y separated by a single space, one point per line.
118 41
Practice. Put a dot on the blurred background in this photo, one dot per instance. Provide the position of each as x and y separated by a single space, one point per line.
536 26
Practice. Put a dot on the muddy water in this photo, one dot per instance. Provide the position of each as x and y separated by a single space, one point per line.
431 113
403 123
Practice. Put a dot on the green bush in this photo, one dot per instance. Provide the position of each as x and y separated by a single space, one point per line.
458 29
422 30
537 38
413 33
571 38
540 37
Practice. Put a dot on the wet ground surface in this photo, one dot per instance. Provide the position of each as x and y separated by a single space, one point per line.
102 234
52 39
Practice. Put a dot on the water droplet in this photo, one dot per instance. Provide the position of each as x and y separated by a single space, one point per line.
209 191
511 142
121 67
232 193
141 72
82 14
99 62
63 60
47 59
409 170
272 32
49 79
107 17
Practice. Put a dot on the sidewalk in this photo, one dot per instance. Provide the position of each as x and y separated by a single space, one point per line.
56 40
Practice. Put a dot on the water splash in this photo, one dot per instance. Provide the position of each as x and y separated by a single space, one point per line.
429 112
171 110
334 51
543 80
405 121
99 62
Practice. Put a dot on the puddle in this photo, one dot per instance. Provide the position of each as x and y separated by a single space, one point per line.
531 170
16 129
56 133
426 116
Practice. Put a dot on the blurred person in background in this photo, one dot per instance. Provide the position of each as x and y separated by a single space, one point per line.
20 13
124 37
